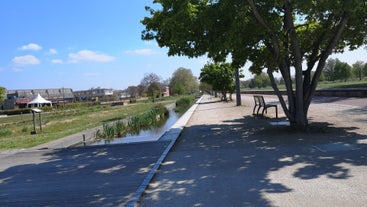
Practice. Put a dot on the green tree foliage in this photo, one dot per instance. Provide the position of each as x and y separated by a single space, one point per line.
275 35
220 77
2 94
342 71
183 82
132 91
329 69
152 85
261 81
358 69
337 70
204 87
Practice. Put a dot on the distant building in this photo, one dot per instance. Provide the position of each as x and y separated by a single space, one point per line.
93 94
165 91
20 98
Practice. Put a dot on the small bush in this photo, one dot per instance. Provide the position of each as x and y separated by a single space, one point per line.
183 104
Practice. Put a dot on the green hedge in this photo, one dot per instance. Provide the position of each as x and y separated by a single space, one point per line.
75 105
16 111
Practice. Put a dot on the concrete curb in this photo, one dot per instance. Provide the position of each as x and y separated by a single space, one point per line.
172 134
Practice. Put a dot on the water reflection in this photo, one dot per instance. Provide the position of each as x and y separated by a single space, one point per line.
153 133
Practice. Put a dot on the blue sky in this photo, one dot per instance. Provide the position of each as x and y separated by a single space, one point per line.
81 44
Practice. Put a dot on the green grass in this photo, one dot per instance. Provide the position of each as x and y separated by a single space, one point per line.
184 103
340 84
15 131
321 85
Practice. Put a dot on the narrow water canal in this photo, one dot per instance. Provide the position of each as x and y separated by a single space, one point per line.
154 132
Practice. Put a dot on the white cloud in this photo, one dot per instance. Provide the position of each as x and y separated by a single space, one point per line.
57 61
52 51
87 55
26 60
141 52
31 46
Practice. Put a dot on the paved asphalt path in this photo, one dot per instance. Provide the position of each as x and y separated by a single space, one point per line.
90 176
227 157
224 157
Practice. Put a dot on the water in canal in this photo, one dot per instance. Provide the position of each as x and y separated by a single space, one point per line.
154 132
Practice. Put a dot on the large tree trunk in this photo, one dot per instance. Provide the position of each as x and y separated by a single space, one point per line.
238 90
299 99
300 118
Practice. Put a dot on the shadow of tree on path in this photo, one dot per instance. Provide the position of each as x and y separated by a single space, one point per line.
91 176
240 162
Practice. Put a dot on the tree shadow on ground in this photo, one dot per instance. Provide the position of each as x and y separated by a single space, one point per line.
245 162
90 176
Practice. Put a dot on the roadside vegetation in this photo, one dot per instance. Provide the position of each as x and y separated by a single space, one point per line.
184 103
133 124
144 109
15 131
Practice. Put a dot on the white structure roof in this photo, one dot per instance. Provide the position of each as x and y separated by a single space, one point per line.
39 100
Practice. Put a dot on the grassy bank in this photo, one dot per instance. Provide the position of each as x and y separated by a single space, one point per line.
15 131
342 84
322 85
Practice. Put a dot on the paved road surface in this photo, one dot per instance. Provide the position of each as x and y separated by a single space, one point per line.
224 157
91 176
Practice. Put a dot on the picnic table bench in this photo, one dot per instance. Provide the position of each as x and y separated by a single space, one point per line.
260 103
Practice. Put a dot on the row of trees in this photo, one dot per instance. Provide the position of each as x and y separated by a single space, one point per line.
334 70
214 77
182 82
337 70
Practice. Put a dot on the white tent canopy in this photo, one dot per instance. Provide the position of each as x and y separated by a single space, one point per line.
39 100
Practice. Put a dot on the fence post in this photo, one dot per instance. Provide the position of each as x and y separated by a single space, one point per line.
84 140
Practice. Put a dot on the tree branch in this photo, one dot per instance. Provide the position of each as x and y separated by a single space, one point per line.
276 48
326 53
277 92
289 24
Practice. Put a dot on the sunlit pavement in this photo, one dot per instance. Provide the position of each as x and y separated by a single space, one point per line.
227 157
223 157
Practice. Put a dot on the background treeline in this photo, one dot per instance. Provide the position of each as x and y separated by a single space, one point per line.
334 70
182 82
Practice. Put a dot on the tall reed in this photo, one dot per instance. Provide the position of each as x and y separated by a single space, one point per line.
134 124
